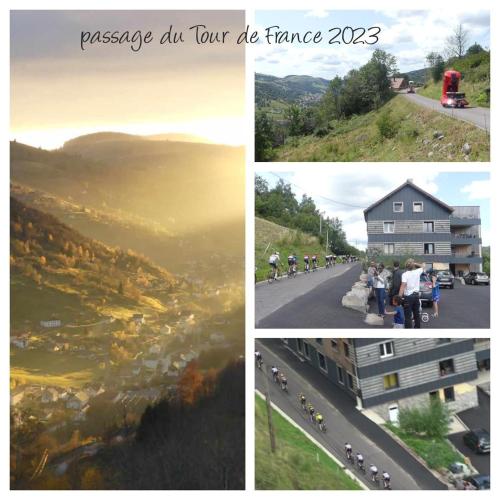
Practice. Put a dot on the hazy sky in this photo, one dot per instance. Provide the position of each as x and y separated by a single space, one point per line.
355 191
408 34
59 91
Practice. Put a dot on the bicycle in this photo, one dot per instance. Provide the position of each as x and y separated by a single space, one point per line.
315 266
292 271
322 426
303 402
259 363
348 454
307 268
274 274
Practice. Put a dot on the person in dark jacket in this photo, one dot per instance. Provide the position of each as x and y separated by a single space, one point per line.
396 281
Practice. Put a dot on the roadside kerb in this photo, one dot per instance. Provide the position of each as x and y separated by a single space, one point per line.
319 445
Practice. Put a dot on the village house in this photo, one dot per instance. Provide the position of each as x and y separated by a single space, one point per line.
51 323
20 341
16 396
49 395
77 401
397 83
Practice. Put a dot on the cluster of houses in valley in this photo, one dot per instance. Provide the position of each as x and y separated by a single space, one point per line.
166 351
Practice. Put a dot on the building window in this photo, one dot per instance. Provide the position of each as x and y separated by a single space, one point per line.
322 362
334 344
446 367
398 207
434 396
300 345
418 206
386 349
429 248
391 381
428 227
389 248
340 375
307 354
389 227
350 381
449 394
346 350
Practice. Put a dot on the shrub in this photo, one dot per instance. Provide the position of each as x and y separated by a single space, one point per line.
431 421
386 125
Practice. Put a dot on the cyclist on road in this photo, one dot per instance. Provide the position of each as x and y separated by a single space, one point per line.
283 382
373 472
360 460
315 261
258 358
319 420
292 262
303 401
387 479
310 409
274 261
306 263
275 371
348 450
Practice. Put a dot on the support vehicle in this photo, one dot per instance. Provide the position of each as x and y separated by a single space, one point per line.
450 96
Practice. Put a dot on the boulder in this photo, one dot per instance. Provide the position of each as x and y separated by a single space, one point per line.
356 299
466 149
374 320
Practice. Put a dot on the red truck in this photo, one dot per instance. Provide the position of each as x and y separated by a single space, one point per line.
450 96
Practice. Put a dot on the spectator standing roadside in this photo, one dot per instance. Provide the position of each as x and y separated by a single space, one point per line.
410 291
436 295
371 273
396 281
379 285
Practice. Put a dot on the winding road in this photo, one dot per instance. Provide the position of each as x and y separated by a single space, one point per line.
344 422
479 117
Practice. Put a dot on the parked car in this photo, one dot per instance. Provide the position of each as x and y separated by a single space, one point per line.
478 440
446 278
477 279
425 289
479 481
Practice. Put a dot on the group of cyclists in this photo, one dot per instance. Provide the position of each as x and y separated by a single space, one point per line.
310 263
360 462
316 418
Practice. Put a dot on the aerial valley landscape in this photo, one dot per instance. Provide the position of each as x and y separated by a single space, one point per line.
127 314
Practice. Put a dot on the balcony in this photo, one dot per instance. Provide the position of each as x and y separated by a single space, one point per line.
465 239
464 222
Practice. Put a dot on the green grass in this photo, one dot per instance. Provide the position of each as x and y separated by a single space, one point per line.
271 236
50 368
474 92
437 453
359 138
298 464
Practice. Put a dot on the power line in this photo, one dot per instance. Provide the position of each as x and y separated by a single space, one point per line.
318 196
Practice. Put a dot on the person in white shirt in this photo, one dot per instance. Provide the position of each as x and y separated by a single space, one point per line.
410 291
274 261
379 285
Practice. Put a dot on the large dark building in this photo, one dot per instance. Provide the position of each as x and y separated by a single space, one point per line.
409 222
386 374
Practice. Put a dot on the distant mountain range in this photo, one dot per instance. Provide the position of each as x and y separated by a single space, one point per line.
292 88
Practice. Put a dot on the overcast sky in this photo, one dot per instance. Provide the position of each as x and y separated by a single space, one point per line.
58 91
355 191
408 34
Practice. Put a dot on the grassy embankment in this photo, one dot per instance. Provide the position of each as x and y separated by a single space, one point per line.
437 453
270 236
408 135
475 82
298 463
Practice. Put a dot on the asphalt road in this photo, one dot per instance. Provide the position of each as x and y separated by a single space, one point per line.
271 297
343 421
475 418
465 306
480 117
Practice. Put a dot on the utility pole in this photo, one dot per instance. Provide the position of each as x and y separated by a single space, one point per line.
326 247
272 437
